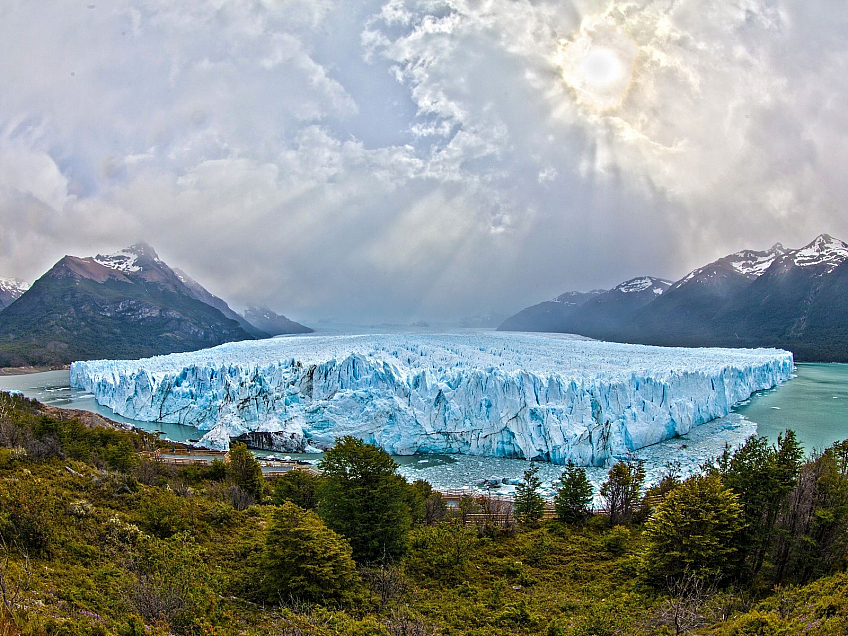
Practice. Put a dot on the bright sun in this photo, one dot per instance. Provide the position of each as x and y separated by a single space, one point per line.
598 64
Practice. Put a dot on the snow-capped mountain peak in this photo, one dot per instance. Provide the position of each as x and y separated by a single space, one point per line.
751 263
122 261
13 286
824 250
642 283
126 260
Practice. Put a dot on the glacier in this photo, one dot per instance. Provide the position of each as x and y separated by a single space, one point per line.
551 397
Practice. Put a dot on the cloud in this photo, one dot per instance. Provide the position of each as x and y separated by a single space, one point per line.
406 159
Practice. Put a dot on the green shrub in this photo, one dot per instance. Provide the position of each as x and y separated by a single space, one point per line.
305 560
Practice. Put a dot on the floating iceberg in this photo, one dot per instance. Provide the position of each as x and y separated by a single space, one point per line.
549 397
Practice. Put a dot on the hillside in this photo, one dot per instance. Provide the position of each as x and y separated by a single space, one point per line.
125 305
100 538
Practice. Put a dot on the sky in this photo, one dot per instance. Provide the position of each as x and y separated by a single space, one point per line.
401 160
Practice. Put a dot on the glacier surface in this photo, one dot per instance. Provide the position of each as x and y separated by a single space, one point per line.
544 396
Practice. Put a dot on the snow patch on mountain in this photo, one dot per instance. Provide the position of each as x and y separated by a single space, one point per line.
644 283
824 250
549 397
13 287
125 260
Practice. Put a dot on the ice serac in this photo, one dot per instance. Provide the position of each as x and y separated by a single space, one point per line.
550 397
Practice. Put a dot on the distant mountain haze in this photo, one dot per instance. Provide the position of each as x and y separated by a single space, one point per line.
130 304
272 323
794 299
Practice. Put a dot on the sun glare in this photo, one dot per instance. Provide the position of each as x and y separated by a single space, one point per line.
598 64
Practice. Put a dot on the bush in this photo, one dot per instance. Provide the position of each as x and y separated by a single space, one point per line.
305 560
26 514
441 552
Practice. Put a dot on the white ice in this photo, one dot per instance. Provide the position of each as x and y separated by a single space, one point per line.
550 397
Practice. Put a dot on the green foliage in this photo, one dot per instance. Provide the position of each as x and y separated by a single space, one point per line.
441 552
762 475
299 487
812 533
529 505
616 540
165 558
172 583
305 560
362 498
244 471
622 489
574 495
26 514
164 514
693 530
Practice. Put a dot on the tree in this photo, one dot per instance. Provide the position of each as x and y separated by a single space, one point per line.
244 471
574 494
762 475
362 498
305 560
298 487
622 489
693 531
812 537
529 505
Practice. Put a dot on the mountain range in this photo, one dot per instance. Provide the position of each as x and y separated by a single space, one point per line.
793 299
130 304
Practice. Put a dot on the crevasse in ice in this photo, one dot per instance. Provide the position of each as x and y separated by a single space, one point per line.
550 397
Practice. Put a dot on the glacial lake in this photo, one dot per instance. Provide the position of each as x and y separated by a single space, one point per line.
814 404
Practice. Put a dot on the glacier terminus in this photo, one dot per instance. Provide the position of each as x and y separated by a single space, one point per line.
549 397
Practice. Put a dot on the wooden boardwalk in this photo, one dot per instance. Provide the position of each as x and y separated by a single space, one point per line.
188 456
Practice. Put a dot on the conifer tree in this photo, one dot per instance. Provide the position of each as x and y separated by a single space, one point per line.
574 494
529 505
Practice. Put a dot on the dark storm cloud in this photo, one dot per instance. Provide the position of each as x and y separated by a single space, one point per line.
393 160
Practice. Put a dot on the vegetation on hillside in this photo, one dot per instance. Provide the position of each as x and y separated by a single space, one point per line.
97 538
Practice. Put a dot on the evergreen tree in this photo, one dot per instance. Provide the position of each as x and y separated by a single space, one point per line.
693 531
362 498
529 505
622 489
305 560
244 471
574 494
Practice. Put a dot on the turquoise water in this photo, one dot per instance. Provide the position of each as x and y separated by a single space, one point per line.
814 404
